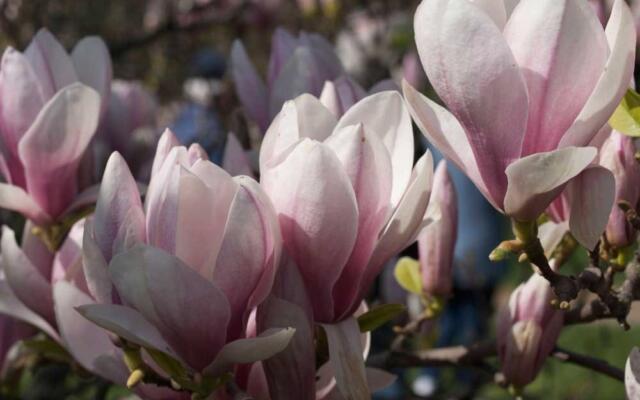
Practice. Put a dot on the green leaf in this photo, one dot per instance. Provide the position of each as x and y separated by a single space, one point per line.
378 316
48 348
172 367
407 274
626 118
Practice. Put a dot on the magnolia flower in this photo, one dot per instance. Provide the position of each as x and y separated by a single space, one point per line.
618 155
43 289
292 373
347 200
345 193
526 92
204 242
297 65
128 126
47 119
527 331
437 241
339 95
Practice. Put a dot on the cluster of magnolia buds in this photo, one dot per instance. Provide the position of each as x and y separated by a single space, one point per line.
200 282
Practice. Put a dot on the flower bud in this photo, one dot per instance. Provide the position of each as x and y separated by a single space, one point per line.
618 155
527 331
437 241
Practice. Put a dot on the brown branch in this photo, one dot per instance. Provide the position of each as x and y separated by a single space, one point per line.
588 362
474 355
592 311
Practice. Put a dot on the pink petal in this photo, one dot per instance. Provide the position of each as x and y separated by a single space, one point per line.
283 45
15 198
95 267
613 82
36 250
555 42
339 95
471 67
52 147
162 289
203 200
312 195
536 180
161 201
366 161
244 351
196 152
22 99
384 114
437 241
445 132
11 306
29 286
325 57
249 253
299 75
84 340
119 220
166 142
551 234
67 264
290 373
93 65
50 62
494 9
345 356
591 195
303 117
406 220
126 323
249 86
235 160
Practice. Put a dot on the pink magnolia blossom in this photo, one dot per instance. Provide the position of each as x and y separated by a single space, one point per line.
348 198
527 89
297 65
345 193
51 106
527 331
292 374
437 241
43 290
129 127
204 242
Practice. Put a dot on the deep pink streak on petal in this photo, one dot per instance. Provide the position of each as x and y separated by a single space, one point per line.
561 49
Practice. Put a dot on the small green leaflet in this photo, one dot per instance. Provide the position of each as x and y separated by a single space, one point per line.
626 118
407 273
378 316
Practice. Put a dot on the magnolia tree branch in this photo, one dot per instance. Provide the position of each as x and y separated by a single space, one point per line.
476 356
594 364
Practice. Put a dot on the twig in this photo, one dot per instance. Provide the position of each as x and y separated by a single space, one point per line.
589 312
473 355
594 364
